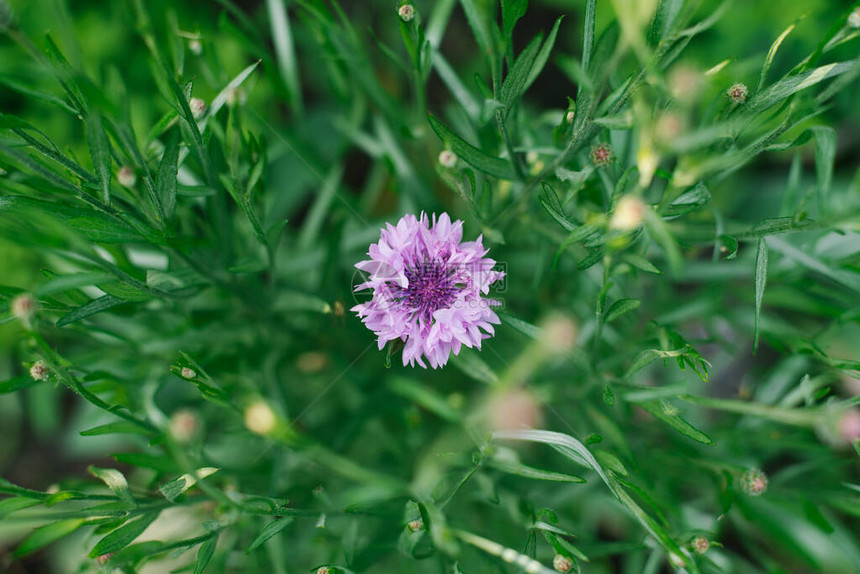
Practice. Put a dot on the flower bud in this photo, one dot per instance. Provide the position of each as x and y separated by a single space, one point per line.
738 93
39 371
677 560
629 212
601 155
103 559
260 418
196 46
198 107
406 12
323 570
685 83
754 482
562 563
125 176
23 307
701 544
415 525
854 18
184 426
849 425
570 116
559 334
447 159
514 410
188 373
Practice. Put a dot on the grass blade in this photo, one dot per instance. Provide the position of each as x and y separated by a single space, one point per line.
760 282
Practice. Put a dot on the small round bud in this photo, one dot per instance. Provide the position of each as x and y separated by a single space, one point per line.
514 410
406 12
849 425
23 307
570 116
668 127
260 418
629 212
126 177
415 525
854 18
103 559
323 570
196 46
559 334
677 561
601 155
754 482
198 107
39 371
311 362
562 563
738 93
448 159
685 83
184 426
701 544
188 373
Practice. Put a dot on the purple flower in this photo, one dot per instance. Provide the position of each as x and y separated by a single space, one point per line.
428 289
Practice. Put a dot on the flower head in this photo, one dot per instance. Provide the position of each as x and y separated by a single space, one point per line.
701 544
39 371
24 307
601 155
562 563
126 177
754 482
406 12
854 18
738 93
428 289
447 159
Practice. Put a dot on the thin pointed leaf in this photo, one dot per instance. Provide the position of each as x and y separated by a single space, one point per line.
494 166
760 282
100 153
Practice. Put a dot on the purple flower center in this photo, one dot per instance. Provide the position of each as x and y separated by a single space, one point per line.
432 286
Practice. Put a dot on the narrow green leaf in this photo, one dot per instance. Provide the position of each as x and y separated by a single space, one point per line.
588 33
543 56
123 536
114 480
771 54
690 200
676 422
204 555
642 360
621 307
664 19
470 363
494 166
512 11
790 85
118 427
45 535
521 326
480 24
100 153
658 229
17 383
760 281
297 301
825 154
95 306
515 82
166 180
270 530
525 471
16 503
174 488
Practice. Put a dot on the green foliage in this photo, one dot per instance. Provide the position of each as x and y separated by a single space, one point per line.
680 305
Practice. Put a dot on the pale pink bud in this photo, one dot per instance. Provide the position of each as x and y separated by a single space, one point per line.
629 212
601 155
447 159
188 373
39 371
701 544
198 107
754 482
738 93
126 177
406 12
23 307
562 563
